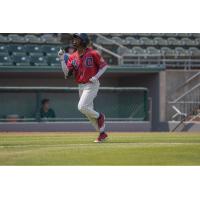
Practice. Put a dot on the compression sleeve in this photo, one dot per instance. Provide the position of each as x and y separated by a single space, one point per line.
101 71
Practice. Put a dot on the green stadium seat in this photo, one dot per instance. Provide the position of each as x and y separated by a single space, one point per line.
53 61
5 60
160 41
118 40
33 39
167 52
34 50
132 41
50 50
173 41
3 49
152 50
16 48
194 52
3 39
50 39
138 50
103 41
188 42
180 52
124 50
15 38
197 40
196 35
38 60
21 60
146 41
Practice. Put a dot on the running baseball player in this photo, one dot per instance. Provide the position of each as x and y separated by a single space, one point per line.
88 66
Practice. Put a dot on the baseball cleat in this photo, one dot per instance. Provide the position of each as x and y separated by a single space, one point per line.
102 137
101 121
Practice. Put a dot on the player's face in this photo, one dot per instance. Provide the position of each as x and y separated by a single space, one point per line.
71 50
76 42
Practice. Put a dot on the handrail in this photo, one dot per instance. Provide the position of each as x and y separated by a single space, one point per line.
186 93
106 50
50 89
187 81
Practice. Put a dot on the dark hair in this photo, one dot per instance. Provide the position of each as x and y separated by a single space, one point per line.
44 101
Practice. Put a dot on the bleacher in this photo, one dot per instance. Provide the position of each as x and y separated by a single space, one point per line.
174 50
29 50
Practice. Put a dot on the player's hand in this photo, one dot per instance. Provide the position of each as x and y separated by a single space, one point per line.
61 54
93 79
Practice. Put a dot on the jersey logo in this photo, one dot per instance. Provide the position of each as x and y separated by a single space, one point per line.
74 64
89 62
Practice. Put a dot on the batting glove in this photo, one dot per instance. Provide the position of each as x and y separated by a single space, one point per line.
61 54
93 79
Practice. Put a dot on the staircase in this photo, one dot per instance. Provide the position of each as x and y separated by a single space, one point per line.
186 107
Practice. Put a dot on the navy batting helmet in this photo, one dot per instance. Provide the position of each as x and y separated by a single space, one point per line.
83 36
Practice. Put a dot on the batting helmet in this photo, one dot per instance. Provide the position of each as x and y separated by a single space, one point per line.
83 36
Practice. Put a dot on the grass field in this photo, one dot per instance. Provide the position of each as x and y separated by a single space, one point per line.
79 149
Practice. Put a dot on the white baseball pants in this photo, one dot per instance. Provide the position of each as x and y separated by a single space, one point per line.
87 94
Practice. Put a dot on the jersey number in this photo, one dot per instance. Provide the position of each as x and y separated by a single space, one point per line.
89 62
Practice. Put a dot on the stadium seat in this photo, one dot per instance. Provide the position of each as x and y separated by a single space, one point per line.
196 35
50 50
3 49
160 41
3 39
167 52
181 52
21 60
124 50
188 42
53 60
49 38
33 39
16 48
197 40
132 41
34 50
173 41
138 50
146 41
15 38
103 41
5 60
170 34
186 35
153 50
38 60
194 52
157 34
118 40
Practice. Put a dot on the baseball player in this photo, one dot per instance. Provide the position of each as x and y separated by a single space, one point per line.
88 66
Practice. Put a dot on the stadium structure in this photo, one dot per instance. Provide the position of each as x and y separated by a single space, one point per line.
152 83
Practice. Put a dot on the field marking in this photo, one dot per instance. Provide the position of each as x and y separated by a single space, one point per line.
105 144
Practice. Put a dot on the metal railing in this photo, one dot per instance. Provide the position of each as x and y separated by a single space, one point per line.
186 106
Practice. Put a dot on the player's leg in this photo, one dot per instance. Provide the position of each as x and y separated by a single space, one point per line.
86 100
93 121
86 107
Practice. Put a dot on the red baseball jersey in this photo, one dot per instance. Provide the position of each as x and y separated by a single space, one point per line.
85 66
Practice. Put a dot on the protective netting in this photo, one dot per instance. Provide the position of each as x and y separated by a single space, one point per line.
119 103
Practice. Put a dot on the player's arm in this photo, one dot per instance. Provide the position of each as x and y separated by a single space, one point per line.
63 63
102 66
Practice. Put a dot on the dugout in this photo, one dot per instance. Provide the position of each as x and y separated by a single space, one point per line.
148 117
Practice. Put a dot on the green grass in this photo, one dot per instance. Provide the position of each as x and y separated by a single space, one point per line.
79 149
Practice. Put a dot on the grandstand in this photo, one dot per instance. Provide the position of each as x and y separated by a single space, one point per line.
159 70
